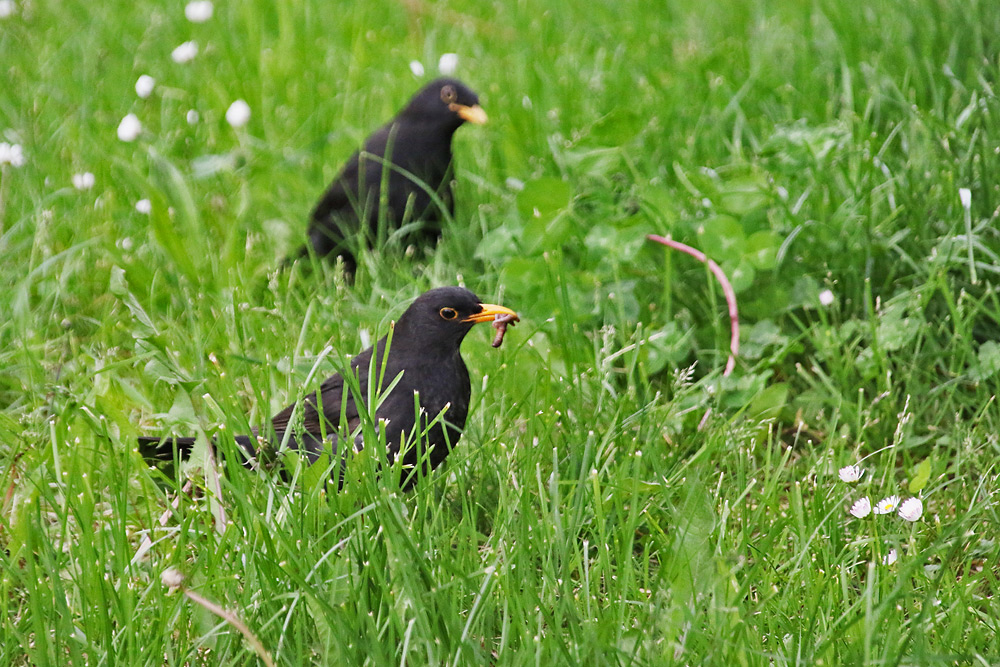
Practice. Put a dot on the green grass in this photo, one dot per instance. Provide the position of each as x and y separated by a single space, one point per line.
593 513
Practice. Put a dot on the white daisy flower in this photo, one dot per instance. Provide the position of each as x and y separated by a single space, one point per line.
826 297
965 196
448 63
887 505
851 473
911 509
198 11
11 154
862 508
890 557
238 113
144 86
144 206
83 181
185 52
7 8
130 128
192 117
417 68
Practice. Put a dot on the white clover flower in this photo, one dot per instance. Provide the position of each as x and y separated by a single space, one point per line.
198 11
851 473
144 206
83 181
448 63
417 68
185 52
238 113
826 297
192 117
11 154
890 557
129 128
7 8
887 505
965 196
862 508
911 509
144 86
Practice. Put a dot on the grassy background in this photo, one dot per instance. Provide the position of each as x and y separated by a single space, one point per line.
592 514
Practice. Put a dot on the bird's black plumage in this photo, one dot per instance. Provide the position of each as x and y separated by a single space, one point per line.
424 353
412 154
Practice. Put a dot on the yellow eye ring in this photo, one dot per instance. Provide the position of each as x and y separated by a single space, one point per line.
448 94
448 313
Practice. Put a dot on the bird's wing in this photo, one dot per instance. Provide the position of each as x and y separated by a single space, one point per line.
320 412
342 193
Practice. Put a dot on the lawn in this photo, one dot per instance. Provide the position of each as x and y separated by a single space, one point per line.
615 499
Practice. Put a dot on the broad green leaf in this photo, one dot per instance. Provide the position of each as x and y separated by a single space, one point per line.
988 361
768 403
721 238
543 198
762 250
922 476
742 276
742 194
498 244
546 233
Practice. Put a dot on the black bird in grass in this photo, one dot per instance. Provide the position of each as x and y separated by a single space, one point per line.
424 353
412 153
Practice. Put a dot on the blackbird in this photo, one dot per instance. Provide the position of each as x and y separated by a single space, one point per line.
423 353
412 154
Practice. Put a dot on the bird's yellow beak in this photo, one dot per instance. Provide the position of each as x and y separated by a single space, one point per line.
489 312
473 114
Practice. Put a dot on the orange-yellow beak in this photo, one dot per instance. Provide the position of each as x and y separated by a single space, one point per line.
473 114
489 312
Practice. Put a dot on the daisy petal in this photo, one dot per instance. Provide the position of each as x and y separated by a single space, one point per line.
184 52
448 63
198 11
911 509
862 508
83 181
11 154
129 128
144 86
238 113
887 505
851 473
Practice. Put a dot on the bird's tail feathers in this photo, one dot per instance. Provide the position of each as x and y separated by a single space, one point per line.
155 448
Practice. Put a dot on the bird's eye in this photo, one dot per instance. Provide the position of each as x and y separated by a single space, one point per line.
448 313
448 94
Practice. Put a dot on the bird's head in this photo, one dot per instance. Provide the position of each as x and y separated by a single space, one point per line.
440 318
446 100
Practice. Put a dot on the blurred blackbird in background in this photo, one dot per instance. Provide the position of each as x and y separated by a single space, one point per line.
425 349
412 154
